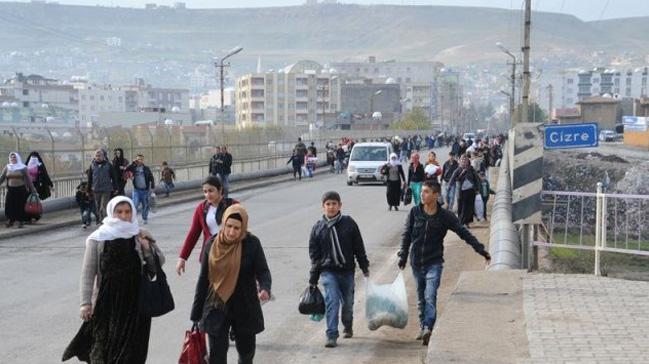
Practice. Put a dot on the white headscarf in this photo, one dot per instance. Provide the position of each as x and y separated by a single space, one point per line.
13 167
394 160
33 162
114 228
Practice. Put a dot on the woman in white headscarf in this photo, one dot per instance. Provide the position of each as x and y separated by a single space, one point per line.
396 180
114 331
18 188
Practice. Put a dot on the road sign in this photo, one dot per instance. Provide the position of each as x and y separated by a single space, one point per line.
568 136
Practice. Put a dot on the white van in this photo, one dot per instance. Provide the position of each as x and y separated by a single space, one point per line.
365 162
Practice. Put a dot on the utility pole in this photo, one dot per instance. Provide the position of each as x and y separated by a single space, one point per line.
221 65
550 102
512 95
526 62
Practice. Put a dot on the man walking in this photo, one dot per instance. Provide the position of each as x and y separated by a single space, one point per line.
143 183
102 182
448 191
423 239
215 165
226 170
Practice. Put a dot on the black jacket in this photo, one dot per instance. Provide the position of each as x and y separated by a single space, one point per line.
460 175
243 308
448 169
227 163
351 243
423 237
148 176
416 175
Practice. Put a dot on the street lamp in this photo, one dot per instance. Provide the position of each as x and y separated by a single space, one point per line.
372 106
323 87
512 95
220 64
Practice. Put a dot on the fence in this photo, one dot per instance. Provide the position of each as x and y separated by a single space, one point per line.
68 151
601 222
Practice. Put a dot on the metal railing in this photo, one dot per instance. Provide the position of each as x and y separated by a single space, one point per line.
600 222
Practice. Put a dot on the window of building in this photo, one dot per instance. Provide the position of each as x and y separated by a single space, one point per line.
628 80
644 80
92 97
407 79
120 99
101 98
617 82
595 80
25 92
25 103
628 92
301 93
570 81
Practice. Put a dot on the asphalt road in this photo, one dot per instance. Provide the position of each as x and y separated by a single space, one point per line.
39 278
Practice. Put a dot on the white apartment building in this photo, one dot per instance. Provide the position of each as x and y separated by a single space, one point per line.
301 94
95 99
421 95
35 91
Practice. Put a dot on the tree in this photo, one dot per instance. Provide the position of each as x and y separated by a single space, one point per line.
414 120
535 114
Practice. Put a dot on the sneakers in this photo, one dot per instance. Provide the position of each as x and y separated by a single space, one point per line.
396 208
331 343
145 222
348 333
84 226
420 335
425 337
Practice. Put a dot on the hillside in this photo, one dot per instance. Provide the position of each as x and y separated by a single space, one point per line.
190 37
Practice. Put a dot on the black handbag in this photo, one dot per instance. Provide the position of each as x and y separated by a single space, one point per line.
407 196
311 302
155 295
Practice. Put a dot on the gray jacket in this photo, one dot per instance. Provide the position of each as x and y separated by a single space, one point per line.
101 177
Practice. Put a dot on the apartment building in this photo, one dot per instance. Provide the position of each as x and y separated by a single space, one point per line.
36 91
95 99
299 95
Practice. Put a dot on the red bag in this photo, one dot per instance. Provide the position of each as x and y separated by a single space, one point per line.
194 348
33 205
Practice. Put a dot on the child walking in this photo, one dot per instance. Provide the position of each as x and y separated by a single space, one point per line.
334 243
86 205
167 176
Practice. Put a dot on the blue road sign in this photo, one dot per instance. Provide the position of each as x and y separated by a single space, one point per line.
568 136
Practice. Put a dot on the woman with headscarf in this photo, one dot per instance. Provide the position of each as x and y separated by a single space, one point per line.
117 254
18 188
469 183
395 180
416 177
119 167
227 296
40 179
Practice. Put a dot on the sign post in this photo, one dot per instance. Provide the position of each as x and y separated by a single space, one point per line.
568 136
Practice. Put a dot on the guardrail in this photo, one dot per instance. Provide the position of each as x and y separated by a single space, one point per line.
504 245
600 222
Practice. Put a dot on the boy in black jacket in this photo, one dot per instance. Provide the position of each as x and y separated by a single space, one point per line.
334 243
424 231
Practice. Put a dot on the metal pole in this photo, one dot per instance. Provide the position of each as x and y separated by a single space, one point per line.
512 98
598 228
526 61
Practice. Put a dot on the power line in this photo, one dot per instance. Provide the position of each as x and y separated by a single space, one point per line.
601 15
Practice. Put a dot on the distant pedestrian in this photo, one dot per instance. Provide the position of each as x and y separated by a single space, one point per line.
485 191
215 162
117 255
233 282
143 184
296 163
102 181
167 177
334 242
226 170
86 204
18 188
313 149
423 240
468 181
206 219
416 176
119 166
396 179
432 170
40 179
300 148
448 190
310 163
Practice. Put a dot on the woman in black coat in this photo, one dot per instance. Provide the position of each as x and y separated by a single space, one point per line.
395 180
227 296
469 182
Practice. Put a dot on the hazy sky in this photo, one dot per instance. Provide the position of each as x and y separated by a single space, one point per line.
584 9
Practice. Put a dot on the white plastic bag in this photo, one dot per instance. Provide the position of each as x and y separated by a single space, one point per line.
386 304
153 202
479 207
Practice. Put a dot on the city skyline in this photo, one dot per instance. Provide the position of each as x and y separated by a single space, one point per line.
587 10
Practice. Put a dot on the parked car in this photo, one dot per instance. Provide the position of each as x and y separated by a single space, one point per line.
365 162
607 136
468 136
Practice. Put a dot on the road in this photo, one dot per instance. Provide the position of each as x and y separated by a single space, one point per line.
40 279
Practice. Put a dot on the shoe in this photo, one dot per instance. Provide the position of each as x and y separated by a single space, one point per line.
9 224
21 225
420 335
145 222
396 208
348 333
425 337
84 226
331 343
389 208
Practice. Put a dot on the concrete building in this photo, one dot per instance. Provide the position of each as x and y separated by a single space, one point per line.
142 95
299 95
362 101
450 102
605 111
95 99
421 95
404 73
36 91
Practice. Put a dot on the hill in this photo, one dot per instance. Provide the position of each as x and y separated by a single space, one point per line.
190 37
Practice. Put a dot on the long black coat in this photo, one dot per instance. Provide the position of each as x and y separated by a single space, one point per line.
243 309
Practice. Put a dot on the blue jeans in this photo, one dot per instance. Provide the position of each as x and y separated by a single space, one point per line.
339 289
141 197
450 197
168 186
225 179
427 279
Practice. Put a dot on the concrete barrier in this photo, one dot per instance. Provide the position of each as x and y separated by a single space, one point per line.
504 245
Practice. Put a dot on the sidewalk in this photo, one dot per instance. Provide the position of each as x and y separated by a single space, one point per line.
71 217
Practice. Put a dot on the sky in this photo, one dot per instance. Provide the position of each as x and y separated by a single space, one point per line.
583 9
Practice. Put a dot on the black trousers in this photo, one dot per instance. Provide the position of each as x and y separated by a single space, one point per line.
245 344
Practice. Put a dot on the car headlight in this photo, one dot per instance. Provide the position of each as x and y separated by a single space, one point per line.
351 169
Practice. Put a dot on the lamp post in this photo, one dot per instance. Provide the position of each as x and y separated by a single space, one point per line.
511 116
324 87
372 107
512 95
220 65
